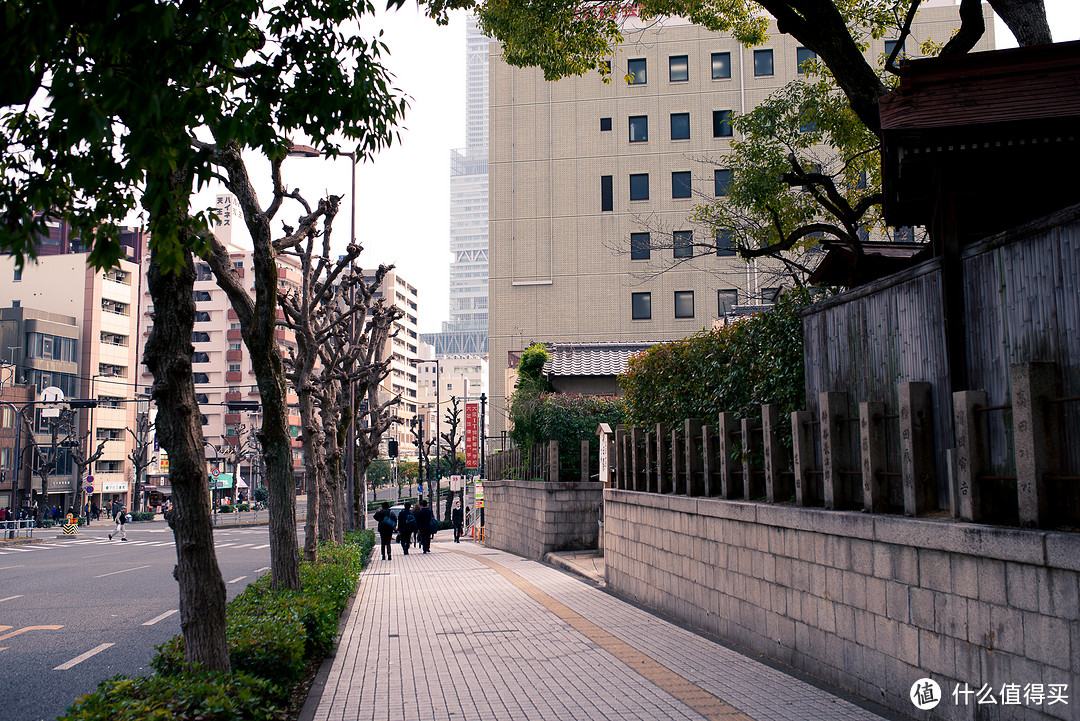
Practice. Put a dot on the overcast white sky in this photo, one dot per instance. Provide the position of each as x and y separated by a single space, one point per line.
403 196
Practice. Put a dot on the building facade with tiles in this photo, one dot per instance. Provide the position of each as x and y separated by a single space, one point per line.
592 184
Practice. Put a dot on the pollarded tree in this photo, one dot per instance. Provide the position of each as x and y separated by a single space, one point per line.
103 106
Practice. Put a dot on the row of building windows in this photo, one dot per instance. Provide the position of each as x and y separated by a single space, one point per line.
682 244
681 186
641 303
678 126
637 69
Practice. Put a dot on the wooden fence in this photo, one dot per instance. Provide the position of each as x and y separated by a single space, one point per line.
1021 304
808 458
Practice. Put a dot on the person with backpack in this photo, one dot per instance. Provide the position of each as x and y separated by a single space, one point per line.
384 517
425 523
406 526
120 517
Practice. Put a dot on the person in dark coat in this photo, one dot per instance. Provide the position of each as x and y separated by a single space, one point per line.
406 524
424 520
386 523
457 517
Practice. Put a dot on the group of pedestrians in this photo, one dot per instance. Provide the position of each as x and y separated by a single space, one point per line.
409 524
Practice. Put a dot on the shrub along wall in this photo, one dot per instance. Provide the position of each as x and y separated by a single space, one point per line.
753 361
273 636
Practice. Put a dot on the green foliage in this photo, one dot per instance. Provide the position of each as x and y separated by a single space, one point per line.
142 516
531 366
260 494
130 86
526 398
568 37
570 418
271 634
379 469
225 508
835 156
187 695
737 368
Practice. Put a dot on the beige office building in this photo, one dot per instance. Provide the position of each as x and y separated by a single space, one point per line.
76 328
592 184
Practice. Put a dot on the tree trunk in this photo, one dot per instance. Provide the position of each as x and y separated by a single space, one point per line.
311 466
1026 19
168 356
258 323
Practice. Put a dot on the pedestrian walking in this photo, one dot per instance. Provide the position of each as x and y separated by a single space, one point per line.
386 521
425 522
457 517
120 518
406 526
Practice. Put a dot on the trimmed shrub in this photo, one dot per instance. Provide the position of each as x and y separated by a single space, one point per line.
191 695
753 361
570 418
271 636
225 508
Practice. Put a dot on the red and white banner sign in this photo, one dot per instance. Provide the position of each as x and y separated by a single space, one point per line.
472 435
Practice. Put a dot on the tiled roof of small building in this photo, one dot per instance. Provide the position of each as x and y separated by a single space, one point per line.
591 359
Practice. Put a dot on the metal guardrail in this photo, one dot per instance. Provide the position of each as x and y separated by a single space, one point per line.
23 527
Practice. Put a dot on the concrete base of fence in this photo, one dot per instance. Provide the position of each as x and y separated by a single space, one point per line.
534 518
870 603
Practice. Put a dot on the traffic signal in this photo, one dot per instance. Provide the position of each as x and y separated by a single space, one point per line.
69 444
239 406
81 403
391 448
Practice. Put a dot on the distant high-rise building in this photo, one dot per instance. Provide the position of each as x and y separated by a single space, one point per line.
64 324
466 331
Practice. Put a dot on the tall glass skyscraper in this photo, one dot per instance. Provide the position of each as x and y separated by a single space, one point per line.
466 331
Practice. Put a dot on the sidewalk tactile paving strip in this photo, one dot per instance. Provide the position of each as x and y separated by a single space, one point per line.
480 635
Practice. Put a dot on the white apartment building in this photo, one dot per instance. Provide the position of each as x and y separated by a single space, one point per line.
221 364
76 328
592 185
440 380
403 349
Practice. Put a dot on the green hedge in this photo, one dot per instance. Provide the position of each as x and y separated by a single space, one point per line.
188 695
753 361
272 636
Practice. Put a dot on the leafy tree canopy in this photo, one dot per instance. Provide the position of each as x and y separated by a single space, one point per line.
571 37
101 101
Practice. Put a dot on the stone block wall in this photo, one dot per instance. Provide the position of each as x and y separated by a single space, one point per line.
870 603
534 518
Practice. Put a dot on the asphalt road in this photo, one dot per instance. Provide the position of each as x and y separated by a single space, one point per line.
74 612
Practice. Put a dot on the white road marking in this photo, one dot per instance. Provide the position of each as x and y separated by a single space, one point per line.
123 570
162 617
10 598
237 579
260 570
259 548
244 545
82 657
4 568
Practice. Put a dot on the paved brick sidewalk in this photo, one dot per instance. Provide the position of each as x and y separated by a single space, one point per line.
468 633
